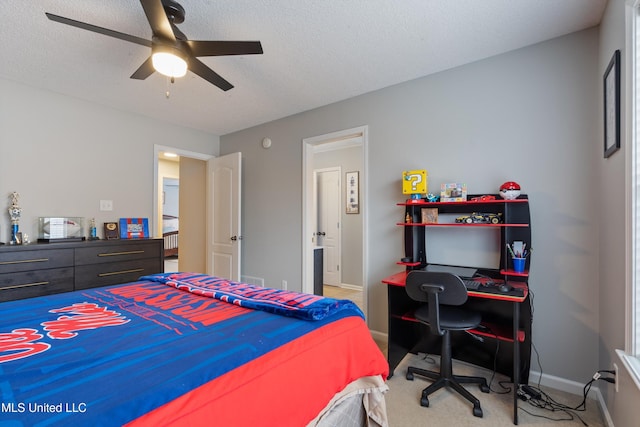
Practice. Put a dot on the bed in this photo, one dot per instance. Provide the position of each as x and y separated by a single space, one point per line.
188 349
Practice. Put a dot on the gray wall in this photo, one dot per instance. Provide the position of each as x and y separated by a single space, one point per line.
63 155
612 235
529 116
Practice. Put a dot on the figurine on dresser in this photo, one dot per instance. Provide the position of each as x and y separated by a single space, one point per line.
14 214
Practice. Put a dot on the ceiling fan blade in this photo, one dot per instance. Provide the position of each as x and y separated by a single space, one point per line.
99 30
220 48
157 17
144 71
196 66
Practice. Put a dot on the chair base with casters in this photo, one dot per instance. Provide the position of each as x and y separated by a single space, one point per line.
444 293
445 378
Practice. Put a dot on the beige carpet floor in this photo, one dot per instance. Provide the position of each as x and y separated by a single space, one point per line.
447 408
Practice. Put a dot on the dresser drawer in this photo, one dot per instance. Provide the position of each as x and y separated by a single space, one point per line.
118 253
35 283
91 276
21 260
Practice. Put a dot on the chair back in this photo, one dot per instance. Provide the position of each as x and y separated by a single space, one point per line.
435 288
448 288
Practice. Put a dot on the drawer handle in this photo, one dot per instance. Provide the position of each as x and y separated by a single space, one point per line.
137 270
26 285
121 253
24 261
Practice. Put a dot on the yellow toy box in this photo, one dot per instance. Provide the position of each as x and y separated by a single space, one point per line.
414 182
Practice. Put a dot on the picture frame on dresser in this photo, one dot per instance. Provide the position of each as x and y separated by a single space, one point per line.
134 228
611 84
111 230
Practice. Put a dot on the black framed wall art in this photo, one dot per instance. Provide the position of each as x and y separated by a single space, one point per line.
612 106
353 192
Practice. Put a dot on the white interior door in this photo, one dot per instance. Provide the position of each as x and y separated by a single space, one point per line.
328 230
223 216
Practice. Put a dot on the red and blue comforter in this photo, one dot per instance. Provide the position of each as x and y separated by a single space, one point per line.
178 349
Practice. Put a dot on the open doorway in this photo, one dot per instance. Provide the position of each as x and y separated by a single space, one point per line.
189 170
346 150
171 222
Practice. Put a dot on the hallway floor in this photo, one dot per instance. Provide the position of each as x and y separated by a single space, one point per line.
343 293
170 265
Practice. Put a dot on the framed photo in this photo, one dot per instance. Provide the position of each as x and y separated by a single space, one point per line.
429 215
453 192
353 192
111 230
134 228
612 106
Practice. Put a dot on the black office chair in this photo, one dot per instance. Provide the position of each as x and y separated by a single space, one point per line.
443 293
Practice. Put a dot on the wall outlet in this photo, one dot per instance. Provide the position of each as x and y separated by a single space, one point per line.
106 205
284 285
615 369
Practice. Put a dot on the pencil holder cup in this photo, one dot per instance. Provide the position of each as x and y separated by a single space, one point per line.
518 264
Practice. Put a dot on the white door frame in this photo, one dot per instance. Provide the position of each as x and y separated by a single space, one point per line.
308 225
157 149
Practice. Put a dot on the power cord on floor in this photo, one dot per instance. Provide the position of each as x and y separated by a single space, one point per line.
429 359
539 399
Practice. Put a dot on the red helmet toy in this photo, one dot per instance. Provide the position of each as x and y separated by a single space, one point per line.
510 190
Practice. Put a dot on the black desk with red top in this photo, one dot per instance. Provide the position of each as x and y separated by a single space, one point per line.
506 320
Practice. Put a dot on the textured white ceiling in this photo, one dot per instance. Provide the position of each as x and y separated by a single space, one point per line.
315 52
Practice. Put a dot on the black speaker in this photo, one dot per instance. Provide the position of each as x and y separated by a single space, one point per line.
410 245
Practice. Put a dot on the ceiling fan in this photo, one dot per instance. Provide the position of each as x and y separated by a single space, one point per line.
172 53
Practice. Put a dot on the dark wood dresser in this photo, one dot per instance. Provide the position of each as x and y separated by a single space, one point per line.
42 269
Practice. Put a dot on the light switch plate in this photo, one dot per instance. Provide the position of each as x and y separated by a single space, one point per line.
106 205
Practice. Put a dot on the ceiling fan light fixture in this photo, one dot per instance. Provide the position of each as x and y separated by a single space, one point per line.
172 53
169 61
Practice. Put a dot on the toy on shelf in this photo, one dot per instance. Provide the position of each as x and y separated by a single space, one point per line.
453 192
414 183
485 198
432 198
510 190
480 218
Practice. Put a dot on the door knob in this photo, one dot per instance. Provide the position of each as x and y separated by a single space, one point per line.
234 238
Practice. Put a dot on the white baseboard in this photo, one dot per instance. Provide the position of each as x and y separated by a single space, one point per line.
561 384
350 286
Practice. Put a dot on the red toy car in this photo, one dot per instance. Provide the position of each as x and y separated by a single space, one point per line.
483 198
